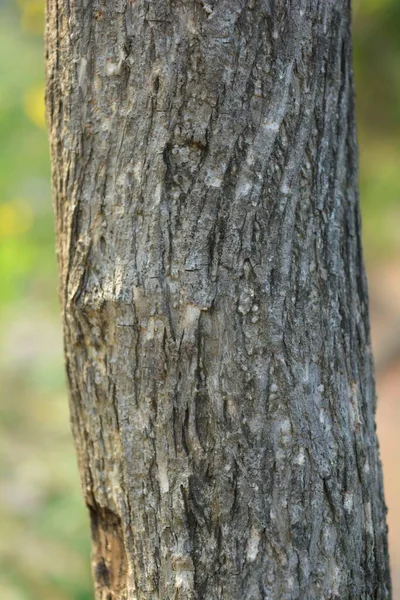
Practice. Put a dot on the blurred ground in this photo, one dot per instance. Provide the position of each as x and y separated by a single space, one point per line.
385 321
44 544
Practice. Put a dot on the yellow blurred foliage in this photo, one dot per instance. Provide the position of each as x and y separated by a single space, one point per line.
16 218
32 15
34 106
10 593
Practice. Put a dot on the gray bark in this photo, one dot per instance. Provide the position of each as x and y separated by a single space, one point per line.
214 298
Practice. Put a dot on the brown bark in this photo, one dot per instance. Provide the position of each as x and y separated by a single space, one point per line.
214 298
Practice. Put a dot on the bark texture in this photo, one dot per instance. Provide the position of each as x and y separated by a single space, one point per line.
214 298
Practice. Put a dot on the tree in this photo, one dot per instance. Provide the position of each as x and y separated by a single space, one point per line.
214 298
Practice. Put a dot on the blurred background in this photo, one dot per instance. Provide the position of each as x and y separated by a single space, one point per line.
44 540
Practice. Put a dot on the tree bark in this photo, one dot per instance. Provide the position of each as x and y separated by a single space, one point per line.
214 298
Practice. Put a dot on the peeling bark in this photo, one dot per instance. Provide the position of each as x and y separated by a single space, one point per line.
214 298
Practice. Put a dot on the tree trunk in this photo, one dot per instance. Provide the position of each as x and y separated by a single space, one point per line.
214 298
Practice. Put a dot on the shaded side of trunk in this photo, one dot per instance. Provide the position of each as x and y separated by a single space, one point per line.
214 299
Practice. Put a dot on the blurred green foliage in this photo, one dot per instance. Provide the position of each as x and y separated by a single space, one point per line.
376 35
44 545
44 551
